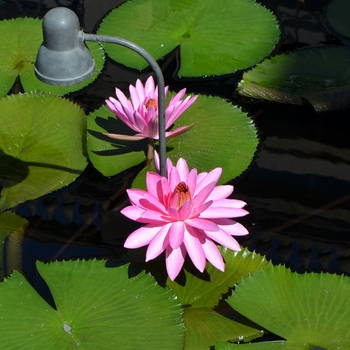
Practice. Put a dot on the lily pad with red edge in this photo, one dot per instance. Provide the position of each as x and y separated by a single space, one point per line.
42 146
19 45
214 37
302 75
97 308
223 136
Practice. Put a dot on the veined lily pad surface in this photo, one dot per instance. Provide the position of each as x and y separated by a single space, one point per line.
97 308
200 293
223 136
310 311
42 146
19 45
290 78
215 37
337 15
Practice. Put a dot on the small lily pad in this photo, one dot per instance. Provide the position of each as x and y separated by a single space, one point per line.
215 37
19 45
303 74
41 146
97 308
337 15
223 136
310 311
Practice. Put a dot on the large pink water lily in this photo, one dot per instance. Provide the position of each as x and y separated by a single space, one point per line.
141 113
185 212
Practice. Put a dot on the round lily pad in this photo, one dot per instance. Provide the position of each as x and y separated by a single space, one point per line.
41 145
215 37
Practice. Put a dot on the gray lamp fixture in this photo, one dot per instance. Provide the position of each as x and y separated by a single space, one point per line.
63 59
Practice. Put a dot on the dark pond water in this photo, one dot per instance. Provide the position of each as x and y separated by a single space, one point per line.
297 190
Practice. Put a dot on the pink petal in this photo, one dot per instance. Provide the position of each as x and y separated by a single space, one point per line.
153 217
202 224
233 229
176 234
132 212
229 203
174 259
203 195
142 236
178 131
122 98
140 123
182 169
222 212
194 247
174 213
149 86
158 243
220 192
212 176
178 110
213 255
174 178
192 181
185 210
121 137
145 200
224 239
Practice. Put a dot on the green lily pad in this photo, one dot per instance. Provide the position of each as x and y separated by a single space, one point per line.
311 311
223 136
19 45
205 327
337 15
41 146
200 293
303 74
274 345
97 308
12 227
215 37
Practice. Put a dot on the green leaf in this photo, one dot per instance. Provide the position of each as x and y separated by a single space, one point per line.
309 310
205 327
12 227
97 308
275 345
337 17
290 78
19 45
215 37
41 146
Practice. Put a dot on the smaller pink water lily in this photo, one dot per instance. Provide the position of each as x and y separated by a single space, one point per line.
141 113
185 212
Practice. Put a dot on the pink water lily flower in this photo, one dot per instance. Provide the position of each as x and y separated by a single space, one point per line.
185 212
141 113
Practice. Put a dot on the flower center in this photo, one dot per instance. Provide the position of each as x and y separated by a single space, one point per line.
151 103
183 193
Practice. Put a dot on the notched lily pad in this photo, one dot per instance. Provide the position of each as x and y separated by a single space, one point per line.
19 45
310 311
41 146
303 74
97 308
215 37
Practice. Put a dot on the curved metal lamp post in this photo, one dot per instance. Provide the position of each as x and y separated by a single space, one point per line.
63 59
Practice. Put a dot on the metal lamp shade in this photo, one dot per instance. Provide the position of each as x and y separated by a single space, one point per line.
63 58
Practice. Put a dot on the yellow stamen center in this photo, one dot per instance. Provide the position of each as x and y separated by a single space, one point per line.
183 194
